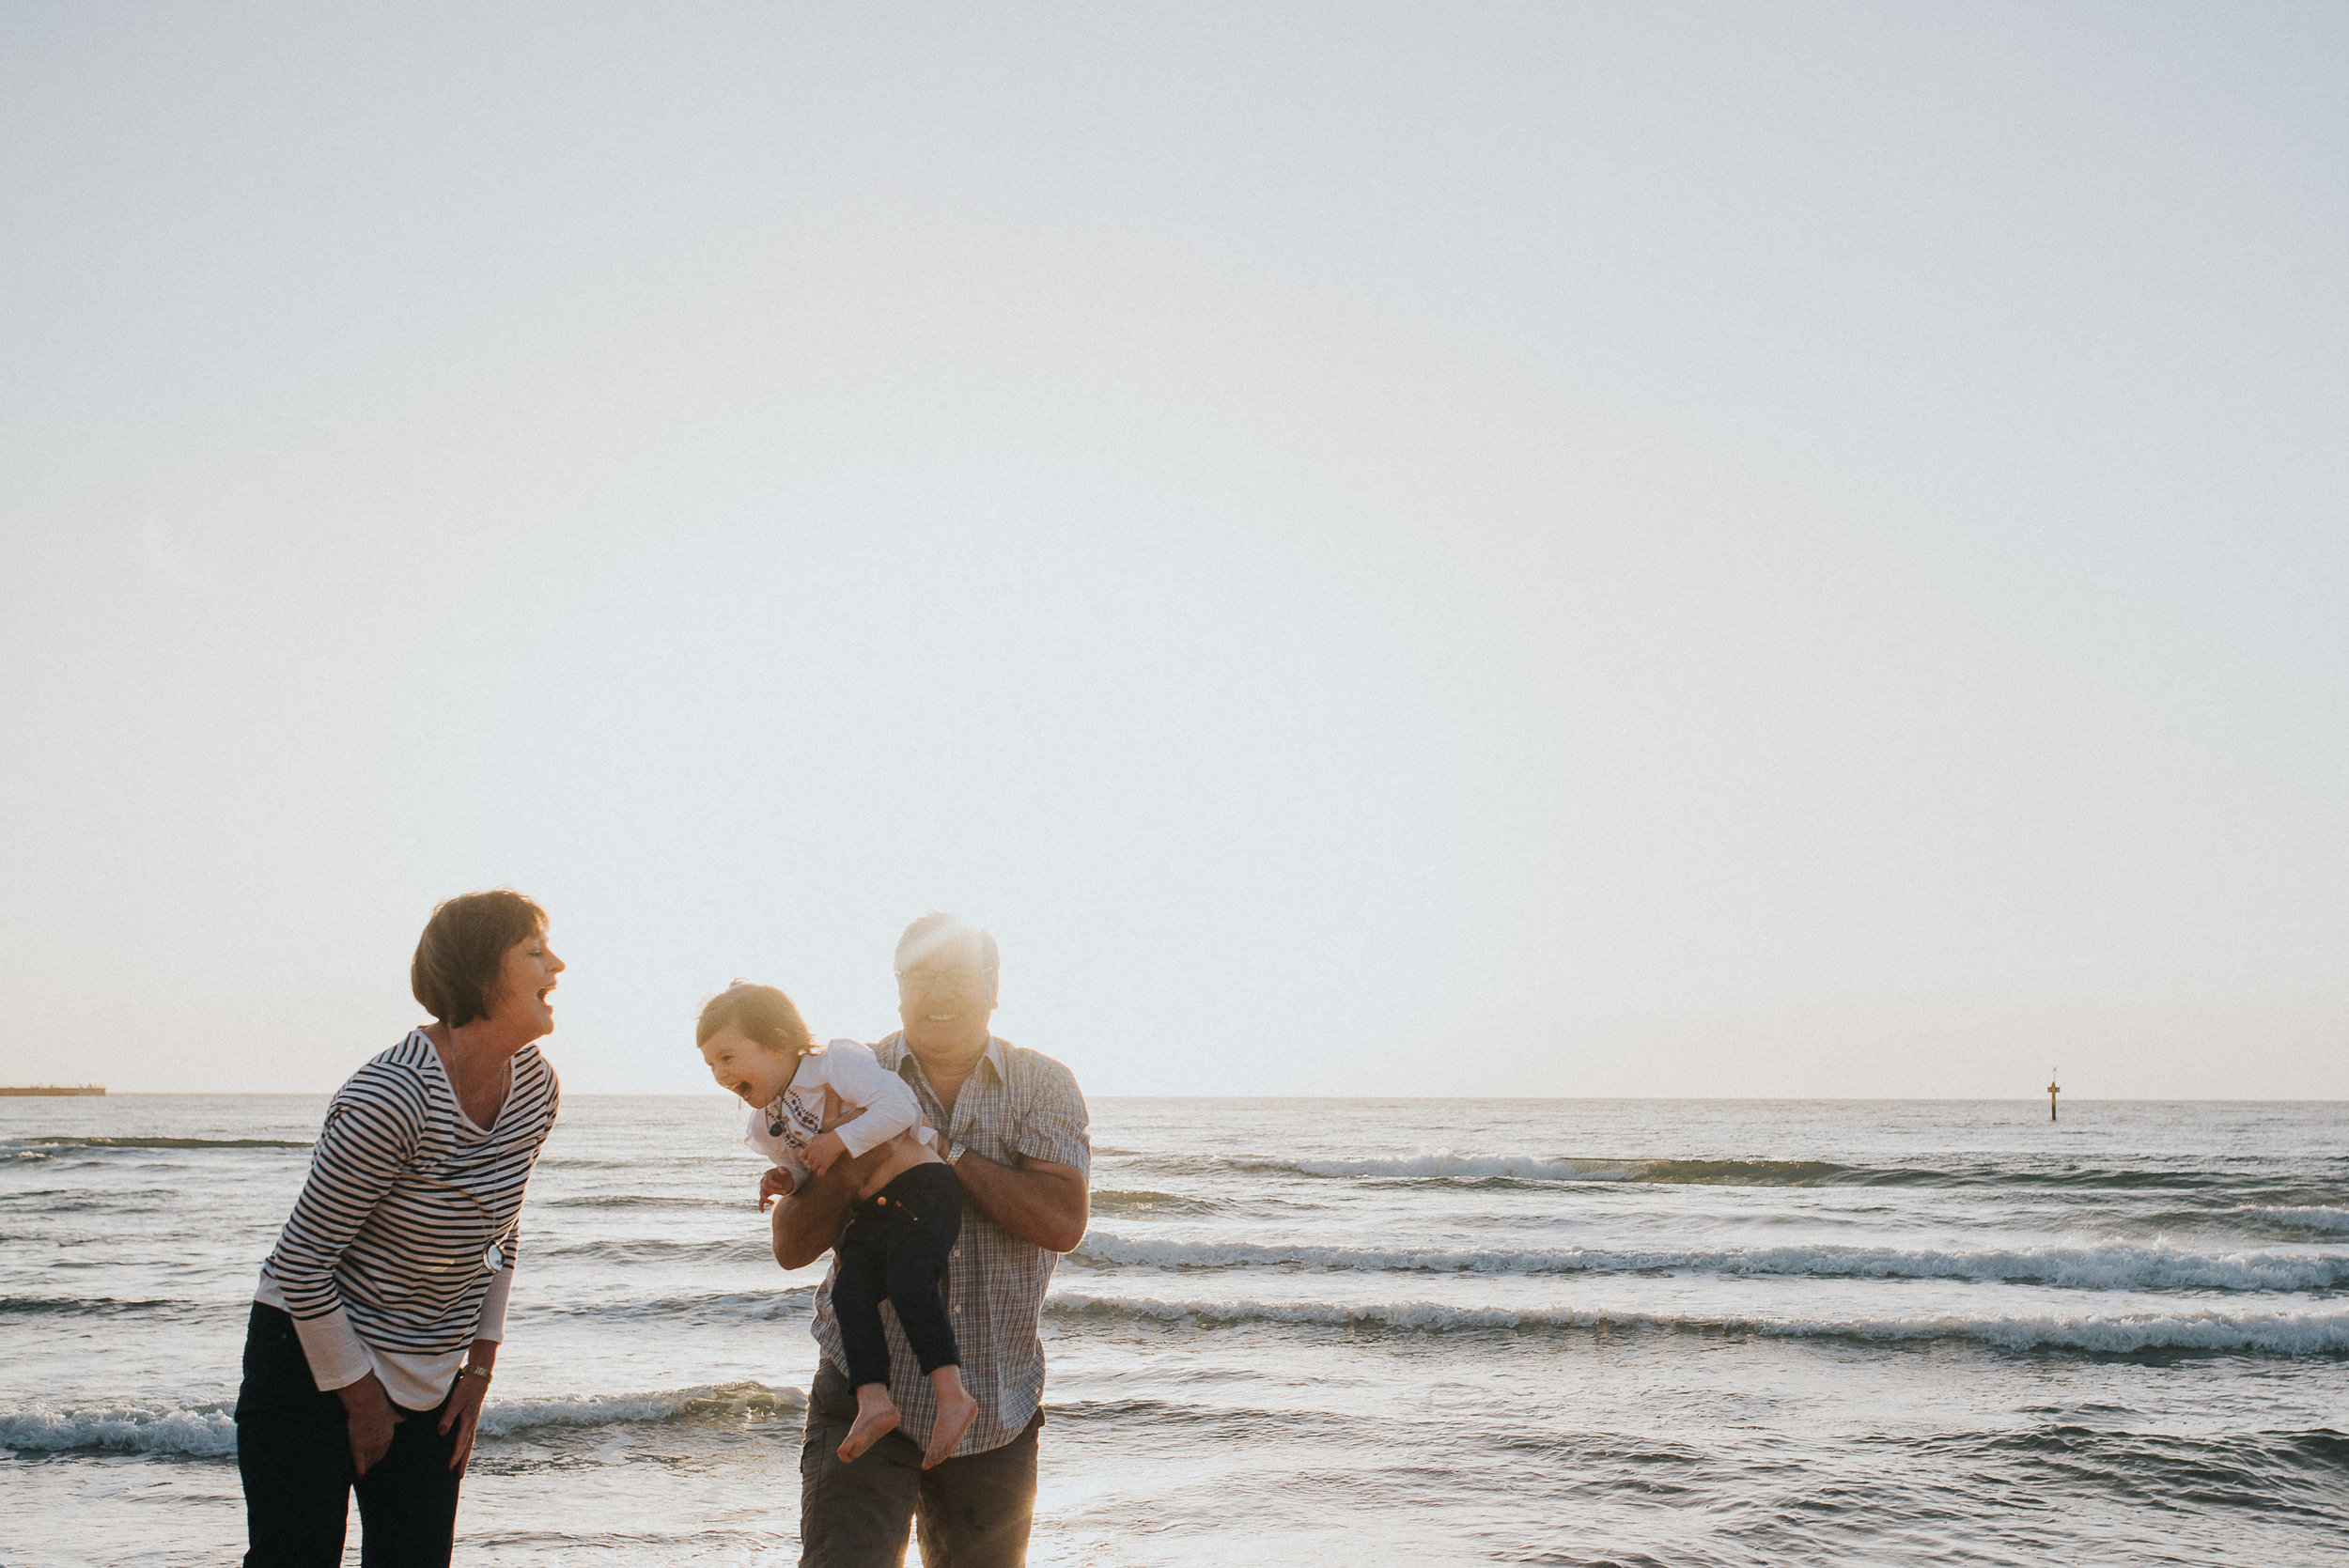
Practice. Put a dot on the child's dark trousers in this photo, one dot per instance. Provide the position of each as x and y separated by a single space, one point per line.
895 1248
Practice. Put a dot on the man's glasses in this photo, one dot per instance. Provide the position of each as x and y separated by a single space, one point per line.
955 976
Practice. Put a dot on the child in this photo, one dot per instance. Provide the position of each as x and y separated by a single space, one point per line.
813 1105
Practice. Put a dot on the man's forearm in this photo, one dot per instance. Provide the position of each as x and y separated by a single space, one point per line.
807 1224
1036 1202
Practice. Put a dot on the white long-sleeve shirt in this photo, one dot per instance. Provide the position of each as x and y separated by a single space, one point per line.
885 1106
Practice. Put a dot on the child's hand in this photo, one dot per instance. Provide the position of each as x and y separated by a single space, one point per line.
776 1182
822 1150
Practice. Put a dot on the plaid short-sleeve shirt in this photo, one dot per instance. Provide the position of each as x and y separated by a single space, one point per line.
1015 1102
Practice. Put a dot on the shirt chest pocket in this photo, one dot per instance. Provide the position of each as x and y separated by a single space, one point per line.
984 1128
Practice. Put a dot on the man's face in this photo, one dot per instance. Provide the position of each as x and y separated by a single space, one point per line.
946 995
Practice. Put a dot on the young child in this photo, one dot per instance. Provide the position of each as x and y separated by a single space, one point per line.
811 1106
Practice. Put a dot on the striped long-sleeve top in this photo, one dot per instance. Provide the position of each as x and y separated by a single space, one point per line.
400 1250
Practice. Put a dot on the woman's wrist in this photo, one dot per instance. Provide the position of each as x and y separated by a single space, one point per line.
481 1358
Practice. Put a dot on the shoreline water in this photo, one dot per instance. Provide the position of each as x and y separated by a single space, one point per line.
1693 1332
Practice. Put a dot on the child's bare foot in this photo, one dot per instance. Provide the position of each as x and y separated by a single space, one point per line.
876 1417
956 1410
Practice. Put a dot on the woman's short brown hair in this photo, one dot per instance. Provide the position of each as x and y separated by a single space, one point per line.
764 1015
462 951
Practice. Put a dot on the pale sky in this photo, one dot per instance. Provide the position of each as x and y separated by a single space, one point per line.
1451 549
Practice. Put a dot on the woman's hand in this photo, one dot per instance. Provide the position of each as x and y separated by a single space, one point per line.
372 1418
463 1412
822 1150
776 1182
464 1409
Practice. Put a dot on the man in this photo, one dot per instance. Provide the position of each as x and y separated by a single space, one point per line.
1014 1126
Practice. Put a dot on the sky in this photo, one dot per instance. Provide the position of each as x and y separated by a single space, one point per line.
1397 549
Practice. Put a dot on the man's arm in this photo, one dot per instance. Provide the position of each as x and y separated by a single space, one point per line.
1037 1201
807 1224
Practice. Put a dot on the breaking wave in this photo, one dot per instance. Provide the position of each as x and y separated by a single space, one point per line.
23 1143
643 1200
708 1402
96 1306
1143 1201
659 1251
2314 1218
210 1430
142 1426
2106 1267
1777 1172
2252 1333
746 1306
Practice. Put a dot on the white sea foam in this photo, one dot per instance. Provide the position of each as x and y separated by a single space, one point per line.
708 1401
210 1430
2267 1333
145 1426
2100 1268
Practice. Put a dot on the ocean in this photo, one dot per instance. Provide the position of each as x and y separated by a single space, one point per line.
1378 1331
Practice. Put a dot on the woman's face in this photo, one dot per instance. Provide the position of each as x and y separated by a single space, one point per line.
524 980
743 1066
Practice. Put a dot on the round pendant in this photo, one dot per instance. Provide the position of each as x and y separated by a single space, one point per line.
494 1259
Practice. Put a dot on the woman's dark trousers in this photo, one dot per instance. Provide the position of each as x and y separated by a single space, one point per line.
897 1245
293 1449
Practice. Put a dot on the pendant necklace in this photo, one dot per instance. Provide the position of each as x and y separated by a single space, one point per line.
493 1255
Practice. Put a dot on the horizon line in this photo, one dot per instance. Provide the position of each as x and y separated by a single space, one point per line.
1591 1100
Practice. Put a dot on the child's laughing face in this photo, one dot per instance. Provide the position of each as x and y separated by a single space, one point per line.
743 1066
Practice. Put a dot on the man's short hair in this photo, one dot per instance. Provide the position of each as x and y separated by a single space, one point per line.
938 929
462 951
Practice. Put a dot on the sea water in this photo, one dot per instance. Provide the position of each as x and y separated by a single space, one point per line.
1298 1331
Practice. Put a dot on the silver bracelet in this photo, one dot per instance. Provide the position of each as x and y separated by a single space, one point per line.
474 1369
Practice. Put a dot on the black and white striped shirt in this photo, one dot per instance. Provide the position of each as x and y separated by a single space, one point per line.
385 1263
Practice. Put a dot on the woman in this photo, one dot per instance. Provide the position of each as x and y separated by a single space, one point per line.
380 1313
